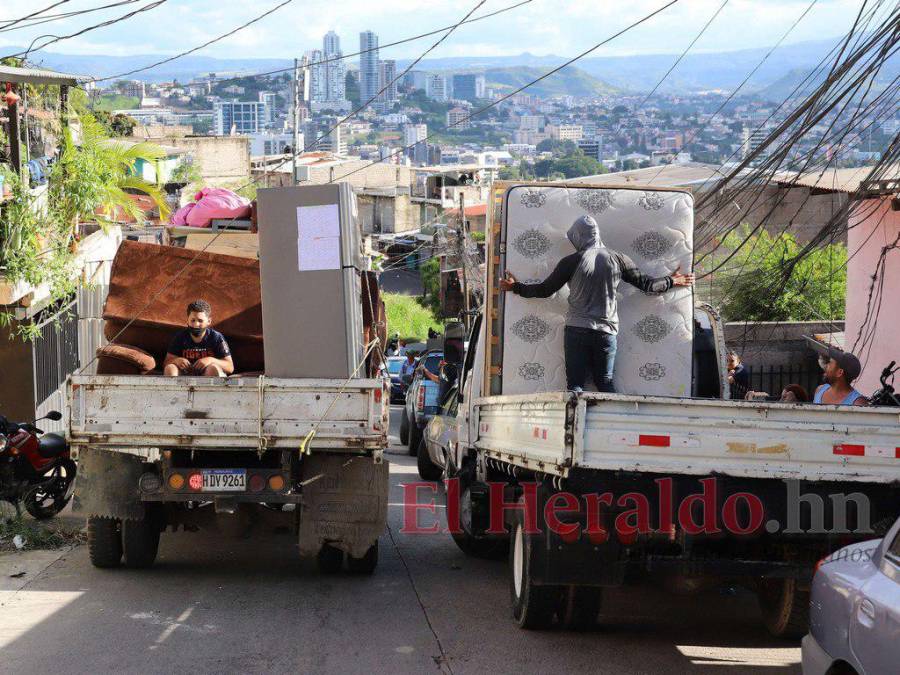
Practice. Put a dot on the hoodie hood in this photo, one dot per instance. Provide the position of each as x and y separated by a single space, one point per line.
584 234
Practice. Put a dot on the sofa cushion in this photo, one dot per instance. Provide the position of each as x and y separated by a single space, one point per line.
119 359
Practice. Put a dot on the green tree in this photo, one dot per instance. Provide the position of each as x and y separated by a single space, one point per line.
765 280
351 84
431 281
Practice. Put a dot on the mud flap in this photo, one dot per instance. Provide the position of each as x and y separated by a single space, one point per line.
107 485
344 503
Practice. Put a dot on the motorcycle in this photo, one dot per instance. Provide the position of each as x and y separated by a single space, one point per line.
36 468
886 395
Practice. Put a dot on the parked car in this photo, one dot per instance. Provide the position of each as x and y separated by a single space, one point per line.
439 439
854 616
398 386
421 402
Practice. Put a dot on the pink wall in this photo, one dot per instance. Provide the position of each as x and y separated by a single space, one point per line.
885 346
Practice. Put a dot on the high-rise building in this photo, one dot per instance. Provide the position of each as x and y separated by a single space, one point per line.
268 98
458 119
414 136
242 117
368 65
387 75
334 73
436 88
468 87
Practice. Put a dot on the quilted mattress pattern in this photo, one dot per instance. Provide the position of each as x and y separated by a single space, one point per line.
654 228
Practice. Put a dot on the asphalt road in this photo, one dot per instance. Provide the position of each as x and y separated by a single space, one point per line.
227 604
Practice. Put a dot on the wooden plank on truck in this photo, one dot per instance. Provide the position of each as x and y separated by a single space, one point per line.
240 244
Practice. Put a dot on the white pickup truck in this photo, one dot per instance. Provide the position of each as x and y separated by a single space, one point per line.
159 452
784 484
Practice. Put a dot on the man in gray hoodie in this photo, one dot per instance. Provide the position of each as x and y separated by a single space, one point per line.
593 273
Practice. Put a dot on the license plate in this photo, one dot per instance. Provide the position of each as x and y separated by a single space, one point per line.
224 480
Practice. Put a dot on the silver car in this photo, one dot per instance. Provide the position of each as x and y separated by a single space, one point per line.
854 616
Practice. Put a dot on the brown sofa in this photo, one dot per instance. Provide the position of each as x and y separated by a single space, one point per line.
151 286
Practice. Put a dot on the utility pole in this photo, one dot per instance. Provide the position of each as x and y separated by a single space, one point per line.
295 151
461 252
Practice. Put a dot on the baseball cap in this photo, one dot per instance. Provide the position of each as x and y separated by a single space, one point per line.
847 361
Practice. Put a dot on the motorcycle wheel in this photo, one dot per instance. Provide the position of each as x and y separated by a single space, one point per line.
51 496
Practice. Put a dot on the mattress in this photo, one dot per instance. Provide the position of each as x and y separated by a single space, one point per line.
655 229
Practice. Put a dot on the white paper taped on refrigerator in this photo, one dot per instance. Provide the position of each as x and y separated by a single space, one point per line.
655 229
318 238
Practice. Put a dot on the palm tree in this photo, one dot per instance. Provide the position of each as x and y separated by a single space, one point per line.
92 178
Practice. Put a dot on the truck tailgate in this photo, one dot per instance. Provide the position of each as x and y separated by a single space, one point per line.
554 432
132 411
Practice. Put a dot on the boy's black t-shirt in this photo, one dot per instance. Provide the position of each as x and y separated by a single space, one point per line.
212 344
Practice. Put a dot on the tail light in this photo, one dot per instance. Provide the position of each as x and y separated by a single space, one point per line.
276 483
420 398
378 396
257 483
176 481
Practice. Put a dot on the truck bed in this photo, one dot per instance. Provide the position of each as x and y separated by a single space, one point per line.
118 411
556 432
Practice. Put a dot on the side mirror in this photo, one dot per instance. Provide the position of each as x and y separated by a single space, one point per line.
54 415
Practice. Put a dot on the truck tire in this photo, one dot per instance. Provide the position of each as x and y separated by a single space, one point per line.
579 607
330 559
415 437
104 540
140 542
785 607
534 606
428 470
366 564
487 548
404 428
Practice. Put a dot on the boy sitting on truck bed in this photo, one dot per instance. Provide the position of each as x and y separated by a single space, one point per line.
198 349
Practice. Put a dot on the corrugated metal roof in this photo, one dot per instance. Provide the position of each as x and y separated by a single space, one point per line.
691 174
39 76
843 180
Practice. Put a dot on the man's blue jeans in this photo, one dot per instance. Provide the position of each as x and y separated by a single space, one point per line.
589 351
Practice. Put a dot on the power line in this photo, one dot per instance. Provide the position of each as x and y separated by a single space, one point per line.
387 86
60 38
505 97
331 59
66 15
199 47
683 54
13 22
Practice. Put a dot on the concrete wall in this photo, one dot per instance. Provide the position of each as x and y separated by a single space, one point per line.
224 161
767 344
879 344
792 209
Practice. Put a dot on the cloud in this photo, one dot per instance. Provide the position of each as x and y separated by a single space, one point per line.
541 27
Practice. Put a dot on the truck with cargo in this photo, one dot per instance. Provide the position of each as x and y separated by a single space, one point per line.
294 438
668 479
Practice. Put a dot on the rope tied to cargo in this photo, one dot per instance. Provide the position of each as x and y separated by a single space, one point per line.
304 444
262 443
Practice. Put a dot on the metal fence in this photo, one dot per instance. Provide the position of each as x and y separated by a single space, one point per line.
775 378
55 352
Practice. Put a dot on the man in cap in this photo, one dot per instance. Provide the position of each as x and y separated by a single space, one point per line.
593 273
840 369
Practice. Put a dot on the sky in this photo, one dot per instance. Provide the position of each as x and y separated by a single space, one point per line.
561 27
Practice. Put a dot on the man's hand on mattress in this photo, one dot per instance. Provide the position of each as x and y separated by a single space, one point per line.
506 283
679 279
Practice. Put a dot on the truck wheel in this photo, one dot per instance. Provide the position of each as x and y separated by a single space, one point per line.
140 542
415 437
488 548
330 559
533 605
428 470
579 607
785 607
366 564
404 428
104 540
